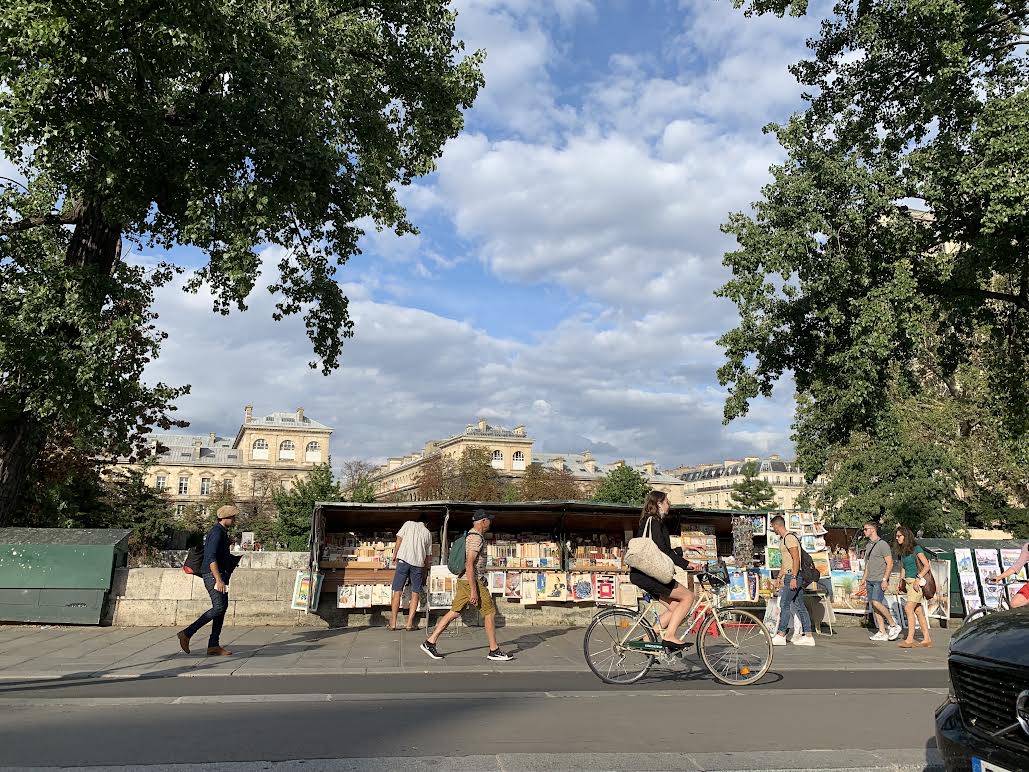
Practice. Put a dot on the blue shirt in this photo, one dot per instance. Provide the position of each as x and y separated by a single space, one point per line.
216 550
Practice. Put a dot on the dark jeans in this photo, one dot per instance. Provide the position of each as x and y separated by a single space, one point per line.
215 615
792 602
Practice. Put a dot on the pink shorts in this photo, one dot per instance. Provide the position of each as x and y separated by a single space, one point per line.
1024 592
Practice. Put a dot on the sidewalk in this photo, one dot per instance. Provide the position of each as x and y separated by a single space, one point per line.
34 652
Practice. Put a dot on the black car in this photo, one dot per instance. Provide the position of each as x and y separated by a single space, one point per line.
984 724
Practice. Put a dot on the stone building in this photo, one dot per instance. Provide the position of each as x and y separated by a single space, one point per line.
269 450
709 485
512 452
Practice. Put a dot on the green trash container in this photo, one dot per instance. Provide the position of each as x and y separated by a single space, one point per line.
58 575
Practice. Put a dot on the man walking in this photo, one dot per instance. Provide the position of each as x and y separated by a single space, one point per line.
791 596
217 568
413 551
471 588
878 567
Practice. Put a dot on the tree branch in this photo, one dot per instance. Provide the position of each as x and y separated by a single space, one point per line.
28 223
1021 301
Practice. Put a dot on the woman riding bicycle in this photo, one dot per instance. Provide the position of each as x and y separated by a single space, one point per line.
1020 598
674 595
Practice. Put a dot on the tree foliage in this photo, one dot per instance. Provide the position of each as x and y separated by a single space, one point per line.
295 506
220 126
841 284
540 483
752 492
474 478
356 482
435 478
622 485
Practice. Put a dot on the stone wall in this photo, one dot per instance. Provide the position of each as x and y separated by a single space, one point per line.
260 594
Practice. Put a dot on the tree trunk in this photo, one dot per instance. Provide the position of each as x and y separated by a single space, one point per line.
21 440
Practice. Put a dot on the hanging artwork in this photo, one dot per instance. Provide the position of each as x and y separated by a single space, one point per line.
765 577
807 518
794 523
758 525
513 585
821 561
345 596
773 558
306 591
528 589
628 593
987 563
969 590
847 598
382 594
442 585
497 582
773 539
1008 558
964 558
808 543
939 606
555 586
753 585
737 591
580 588
605 587
743 541
363 596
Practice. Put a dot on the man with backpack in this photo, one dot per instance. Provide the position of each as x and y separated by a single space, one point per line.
468 562
795 574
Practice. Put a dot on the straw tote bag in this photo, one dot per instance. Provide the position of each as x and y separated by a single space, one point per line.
643 555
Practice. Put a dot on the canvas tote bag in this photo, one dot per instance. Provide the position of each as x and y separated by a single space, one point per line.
644 555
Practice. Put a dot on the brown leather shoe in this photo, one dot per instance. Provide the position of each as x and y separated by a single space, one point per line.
218 651
183 641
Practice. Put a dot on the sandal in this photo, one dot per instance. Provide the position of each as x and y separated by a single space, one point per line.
410 629
925 644
907 644
392 629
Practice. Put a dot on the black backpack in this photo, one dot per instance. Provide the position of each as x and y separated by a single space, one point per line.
807 573
194 560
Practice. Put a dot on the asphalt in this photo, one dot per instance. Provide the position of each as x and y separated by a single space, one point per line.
29 652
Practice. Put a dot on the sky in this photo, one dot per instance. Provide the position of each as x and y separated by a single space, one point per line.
568 252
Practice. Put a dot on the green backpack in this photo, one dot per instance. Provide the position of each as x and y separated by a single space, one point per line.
456 559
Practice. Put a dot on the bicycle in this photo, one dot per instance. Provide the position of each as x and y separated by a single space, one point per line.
982 611
621 645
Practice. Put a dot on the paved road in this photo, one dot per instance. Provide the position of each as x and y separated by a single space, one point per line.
474 721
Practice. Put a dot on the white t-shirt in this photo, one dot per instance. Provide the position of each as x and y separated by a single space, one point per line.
415 543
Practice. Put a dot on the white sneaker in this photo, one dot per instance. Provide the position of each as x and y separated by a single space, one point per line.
879 637
795 636
804 640
779 639
895 631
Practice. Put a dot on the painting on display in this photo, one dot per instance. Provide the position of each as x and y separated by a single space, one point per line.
964 558
528 589
794 523
555 586
346 596
773 539
807 518
580 588
497 582
969 590
382 594
363 596
513 585
759 525
628 593
987 562
442 585
753 585
1008 558
773 558
305 597
765 577
847 598
606 587
737 590
821 561
939 606
808 543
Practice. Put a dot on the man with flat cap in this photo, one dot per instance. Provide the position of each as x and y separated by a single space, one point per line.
218 565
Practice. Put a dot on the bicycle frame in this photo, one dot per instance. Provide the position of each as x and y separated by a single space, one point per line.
705 601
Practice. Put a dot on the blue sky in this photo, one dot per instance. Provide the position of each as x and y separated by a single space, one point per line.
568 253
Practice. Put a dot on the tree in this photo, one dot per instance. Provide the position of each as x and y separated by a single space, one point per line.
148 512
474 477
357 483
540 483
296 505
435 478
841 284
622 485
221 126
752 492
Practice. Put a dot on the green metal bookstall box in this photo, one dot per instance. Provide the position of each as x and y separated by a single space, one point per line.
58 575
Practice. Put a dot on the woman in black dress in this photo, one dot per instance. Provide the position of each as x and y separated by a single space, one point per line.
674 595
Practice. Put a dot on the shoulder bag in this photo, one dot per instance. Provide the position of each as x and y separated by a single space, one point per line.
643 555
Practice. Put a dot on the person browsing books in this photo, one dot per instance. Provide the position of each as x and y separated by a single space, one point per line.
1020 598
878 567
674 595
791 593
413 551
472 590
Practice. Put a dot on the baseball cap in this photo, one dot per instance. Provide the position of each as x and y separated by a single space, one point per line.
481 514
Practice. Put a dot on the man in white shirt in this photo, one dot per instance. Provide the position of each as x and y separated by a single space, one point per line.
412 553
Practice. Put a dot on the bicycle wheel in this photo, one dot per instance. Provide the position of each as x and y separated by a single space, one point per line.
741 653
615 644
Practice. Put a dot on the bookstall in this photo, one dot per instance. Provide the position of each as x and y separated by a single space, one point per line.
553 555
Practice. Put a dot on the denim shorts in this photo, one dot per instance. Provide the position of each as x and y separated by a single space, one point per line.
405 570
874 590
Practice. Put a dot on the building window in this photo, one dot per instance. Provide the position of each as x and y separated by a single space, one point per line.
287 450
313 452
518 460
180 510
183 486
162 482
259 450
205 486
227 486
497 459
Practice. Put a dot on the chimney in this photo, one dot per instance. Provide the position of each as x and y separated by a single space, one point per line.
619 462
588 462
248 414
300 415
519 430
483 425
649 467
210 439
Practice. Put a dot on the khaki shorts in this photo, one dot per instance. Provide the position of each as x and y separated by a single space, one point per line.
462 596
914 592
